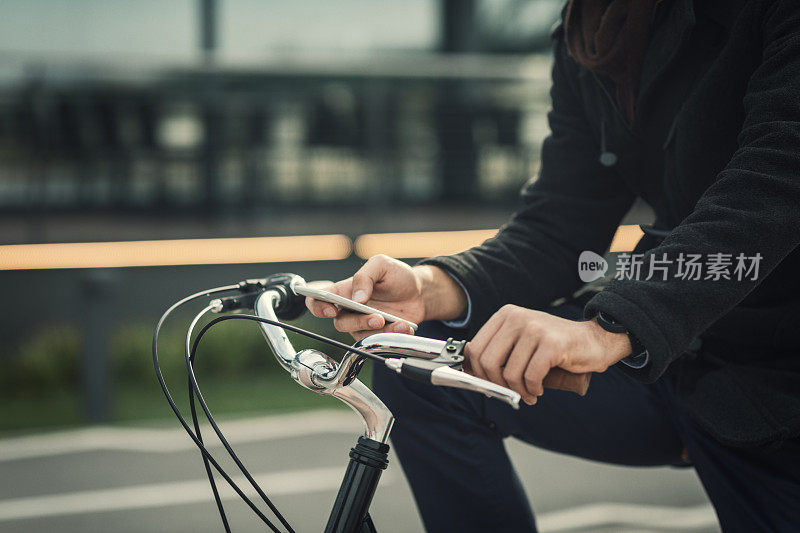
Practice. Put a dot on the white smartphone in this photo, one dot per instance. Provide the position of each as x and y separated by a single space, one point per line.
340 301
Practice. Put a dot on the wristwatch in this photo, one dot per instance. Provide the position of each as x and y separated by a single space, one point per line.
639 356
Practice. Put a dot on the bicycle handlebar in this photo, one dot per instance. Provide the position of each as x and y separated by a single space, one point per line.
420 358
430 361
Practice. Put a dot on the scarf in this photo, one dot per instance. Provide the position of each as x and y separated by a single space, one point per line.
610 37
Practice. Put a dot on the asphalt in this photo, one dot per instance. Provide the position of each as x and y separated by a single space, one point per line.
149 479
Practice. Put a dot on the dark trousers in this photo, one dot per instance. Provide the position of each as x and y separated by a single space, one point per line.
450 445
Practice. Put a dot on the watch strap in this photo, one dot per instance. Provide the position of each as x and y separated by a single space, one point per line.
639 355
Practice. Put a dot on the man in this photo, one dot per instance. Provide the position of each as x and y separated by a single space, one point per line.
694 106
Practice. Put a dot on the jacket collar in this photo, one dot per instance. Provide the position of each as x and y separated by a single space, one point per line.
671 32
674 29
721 12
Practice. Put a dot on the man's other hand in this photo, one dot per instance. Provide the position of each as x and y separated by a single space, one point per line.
528 350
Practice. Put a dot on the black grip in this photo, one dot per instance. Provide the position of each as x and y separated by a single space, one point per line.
290 305
421 374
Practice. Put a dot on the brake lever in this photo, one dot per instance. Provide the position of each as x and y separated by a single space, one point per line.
452 354
446 376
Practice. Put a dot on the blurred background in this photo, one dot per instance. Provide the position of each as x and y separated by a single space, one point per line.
194 123
150 149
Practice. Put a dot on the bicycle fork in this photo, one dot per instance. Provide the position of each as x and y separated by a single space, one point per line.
350 514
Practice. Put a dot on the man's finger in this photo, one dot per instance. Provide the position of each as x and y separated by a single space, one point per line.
321 309
347 321
540 364
514 372
367 276
473 358
318 308
399 327
475 347
391 327
496 354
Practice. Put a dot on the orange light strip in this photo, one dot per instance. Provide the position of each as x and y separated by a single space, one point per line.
626 238
300 248
420 244
175 252
429 243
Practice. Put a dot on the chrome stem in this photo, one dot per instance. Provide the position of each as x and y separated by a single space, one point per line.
311 369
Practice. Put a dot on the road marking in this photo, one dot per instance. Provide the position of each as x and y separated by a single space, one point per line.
652 517
167 494
170 440
586 518
583 518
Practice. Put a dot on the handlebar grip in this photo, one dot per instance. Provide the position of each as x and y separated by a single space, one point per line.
290 305
448 377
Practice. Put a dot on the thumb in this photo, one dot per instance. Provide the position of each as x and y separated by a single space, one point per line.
558 378
367 276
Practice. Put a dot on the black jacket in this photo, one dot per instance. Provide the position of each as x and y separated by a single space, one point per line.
716 153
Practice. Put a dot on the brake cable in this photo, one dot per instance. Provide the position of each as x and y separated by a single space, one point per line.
195 393
190 354
295 329
182 420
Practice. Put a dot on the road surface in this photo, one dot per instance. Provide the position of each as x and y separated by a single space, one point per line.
150 479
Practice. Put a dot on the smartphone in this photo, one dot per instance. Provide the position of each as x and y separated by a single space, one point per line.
345 303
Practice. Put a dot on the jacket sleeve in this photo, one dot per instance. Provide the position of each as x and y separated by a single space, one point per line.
574 205
752 208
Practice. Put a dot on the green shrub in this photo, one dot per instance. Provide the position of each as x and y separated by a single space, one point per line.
232 348
131 353
50 358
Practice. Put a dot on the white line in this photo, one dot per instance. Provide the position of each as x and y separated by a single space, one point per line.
653 517
584 518
175 439
166 494
240 431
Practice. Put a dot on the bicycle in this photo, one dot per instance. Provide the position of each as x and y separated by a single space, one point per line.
272 299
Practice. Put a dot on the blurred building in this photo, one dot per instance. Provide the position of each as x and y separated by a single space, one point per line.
243 106
151 120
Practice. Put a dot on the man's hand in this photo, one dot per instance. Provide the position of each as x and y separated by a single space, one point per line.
417 294
528 350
